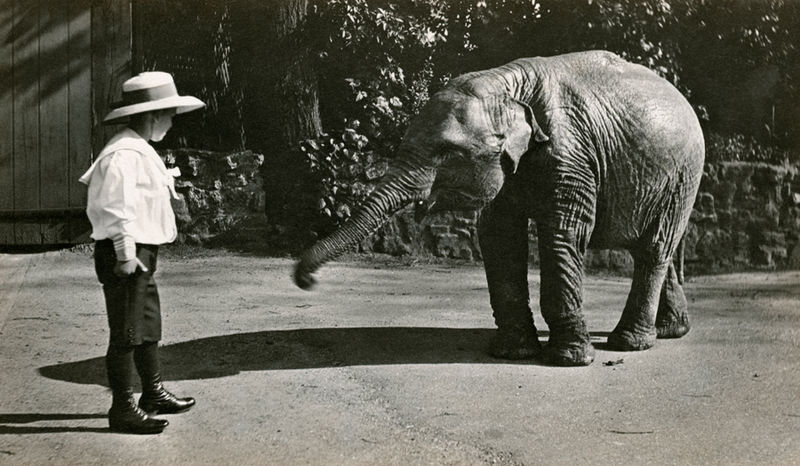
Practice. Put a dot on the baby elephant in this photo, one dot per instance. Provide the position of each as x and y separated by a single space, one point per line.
598 151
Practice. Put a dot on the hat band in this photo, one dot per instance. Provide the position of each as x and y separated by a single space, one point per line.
150 94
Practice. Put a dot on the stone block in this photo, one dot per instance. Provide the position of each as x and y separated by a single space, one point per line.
236 179
196 200
705 204
794 257
762 256
230 162
450 245
620 260
181 209
771 215
439 230
774 238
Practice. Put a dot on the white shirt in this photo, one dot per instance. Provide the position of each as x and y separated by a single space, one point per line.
129 195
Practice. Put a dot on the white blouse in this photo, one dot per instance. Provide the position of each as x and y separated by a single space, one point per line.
129 195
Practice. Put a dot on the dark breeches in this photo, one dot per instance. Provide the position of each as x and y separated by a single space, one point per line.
132 303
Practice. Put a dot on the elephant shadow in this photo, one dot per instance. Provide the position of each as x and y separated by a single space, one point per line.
227 355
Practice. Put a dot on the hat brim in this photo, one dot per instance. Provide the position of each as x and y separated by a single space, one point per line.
181 104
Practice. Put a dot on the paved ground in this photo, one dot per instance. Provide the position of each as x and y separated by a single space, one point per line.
384 364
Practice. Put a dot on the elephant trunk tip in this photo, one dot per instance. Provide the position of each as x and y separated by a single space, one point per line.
303 278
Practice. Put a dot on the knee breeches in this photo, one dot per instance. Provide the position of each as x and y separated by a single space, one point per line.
132 302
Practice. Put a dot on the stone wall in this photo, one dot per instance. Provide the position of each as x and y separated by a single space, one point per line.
219 195
747 215
455 235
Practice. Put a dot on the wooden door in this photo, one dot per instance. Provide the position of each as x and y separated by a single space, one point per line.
61 64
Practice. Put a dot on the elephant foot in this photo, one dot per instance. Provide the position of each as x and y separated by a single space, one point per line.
515 343
626 340
673 327
568 354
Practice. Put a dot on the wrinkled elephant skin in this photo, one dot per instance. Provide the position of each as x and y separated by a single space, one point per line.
597 151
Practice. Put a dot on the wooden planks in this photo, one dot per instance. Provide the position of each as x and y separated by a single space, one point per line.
6 119
62 63
54 122
79 150
111 60
26 118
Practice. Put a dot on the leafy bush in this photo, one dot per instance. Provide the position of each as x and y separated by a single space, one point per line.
723 148
379 57
377 60
343 167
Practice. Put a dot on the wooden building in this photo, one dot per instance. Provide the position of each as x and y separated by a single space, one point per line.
62 62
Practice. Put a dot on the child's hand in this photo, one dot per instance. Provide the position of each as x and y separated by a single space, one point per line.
125 268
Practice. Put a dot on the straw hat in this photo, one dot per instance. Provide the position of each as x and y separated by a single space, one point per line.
148 91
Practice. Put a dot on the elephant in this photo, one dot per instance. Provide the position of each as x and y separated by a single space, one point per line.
597 151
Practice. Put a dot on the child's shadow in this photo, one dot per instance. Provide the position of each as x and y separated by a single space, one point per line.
226 355
28 418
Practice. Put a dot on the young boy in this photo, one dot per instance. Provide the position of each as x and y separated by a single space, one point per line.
129 208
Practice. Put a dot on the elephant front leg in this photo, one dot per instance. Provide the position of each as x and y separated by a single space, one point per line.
561 255
503 236
636 329
672 320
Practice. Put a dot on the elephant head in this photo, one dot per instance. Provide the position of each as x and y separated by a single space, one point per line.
455 155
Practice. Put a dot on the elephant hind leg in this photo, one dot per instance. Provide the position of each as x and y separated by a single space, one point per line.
636 329
672 320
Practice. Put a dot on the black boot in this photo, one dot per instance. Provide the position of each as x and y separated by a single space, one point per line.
155 398
124 416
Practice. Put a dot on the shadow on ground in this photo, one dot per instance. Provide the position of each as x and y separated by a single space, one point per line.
227 355
29 418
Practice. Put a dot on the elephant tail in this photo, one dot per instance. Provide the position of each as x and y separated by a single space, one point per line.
678 261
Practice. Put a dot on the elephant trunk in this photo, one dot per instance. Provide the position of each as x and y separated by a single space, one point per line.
405 182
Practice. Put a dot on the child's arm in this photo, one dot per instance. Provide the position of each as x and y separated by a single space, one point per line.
118 197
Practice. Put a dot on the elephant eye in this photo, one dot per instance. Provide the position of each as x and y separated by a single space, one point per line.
492 152
450 152
447 156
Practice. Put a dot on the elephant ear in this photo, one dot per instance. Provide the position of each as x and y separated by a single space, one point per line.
516 129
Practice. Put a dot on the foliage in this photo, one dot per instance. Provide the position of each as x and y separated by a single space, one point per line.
336 171
199 52
733 49
380 59
738 147
376 58
377 62
643 32
343 166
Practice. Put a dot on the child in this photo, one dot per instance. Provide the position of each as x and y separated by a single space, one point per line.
129 208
